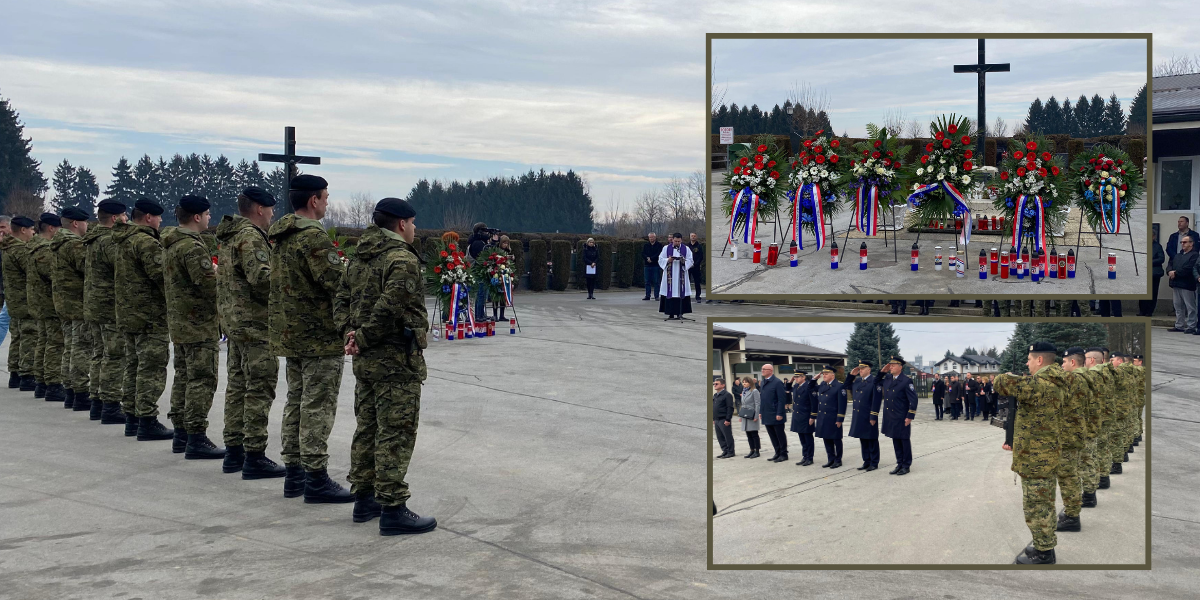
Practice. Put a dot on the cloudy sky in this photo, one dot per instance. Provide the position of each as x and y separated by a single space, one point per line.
388 93
930 340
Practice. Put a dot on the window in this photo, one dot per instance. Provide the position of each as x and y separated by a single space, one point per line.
1175 184
716 360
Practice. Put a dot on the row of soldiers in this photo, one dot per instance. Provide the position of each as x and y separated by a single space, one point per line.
95 311
1075 425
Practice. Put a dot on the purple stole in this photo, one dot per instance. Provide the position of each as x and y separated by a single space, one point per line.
682 271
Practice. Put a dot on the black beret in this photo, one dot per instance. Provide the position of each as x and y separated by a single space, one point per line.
51 219
22 222
309 183
258 195
897 360
1104 349
1043 347
396 207
1072 351
194 204
148 206
75 213
866 363
1137 357
111 207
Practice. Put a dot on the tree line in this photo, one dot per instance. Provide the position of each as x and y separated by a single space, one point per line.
746 120
1087 118
536 201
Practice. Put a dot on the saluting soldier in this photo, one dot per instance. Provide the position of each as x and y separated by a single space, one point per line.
244 288
22 326
804 409
141 316
107 371
864 413
831 411
1037 448
68 303
305 273
47 356
899 409
1104 382
1075 420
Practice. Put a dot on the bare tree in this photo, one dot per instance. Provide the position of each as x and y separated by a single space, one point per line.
360 210
456 217
1178 65
808 108
914 129
999 129
717 96
650 210
24 203
894 121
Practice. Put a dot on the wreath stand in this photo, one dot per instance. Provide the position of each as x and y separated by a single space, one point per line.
1100 238
773 220
792 219
895 245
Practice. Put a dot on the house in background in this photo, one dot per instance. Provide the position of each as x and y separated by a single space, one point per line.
738 354
968 363
1175 147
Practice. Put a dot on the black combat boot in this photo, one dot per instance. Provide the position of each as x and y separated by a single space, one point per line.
235 457
1126 457
293 483
319 488
1116 469
396 520
1104 483
55 392
14 380
1089 500
83 401
1130 450
39 389
200 447
1068 523
131 425
69 399
98 410
150 429
27 383
179 440
110 414
365 508
258 466
1037 557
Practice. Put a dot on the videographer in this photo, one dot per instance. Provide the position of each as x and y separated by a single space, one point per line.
481 238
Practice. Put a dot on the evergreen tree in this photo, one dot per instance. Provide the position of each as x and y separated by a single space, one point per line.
948 354
64 184
276 183
1052 118
1065 335
969 350
1083 127
223 188
1096 115
85 190
720 119
1070 125
1012 360
756 120
123 187
1033 121
1114 117
993 353
1137 112
874 342
19 172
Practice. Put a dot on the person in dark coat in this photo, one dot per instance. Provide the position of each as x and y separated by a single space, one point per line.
831 411
1181 270
772 404
864 413
899 410
699 254
653 273
970 395
737 395
722 415
591 262
1146 308
939 396
985 398
804 408
953 391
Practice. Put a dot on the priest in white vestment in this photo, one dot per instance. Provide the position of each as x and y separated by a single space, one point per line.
674 291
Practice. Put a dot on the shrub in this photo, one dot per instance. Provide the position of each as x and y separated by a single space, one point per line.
578 266
560 255
639 271
604 269
537 265
626 261
1136 149
518 262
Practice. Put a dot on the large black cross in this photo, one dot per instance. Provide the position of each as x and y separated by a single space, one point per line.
290 159
982 68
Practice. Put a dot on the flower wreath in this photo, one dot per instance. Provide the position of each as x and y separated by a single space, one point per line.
1032 192
876 176
819 169
753 180
1106 188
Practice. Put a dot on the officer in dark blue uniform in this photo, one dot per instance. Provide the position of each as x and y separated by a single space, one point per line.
866 394
899 409
804 410
831 410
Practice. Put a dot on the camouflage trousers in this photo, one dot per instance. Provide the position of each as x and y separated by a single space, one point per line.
1037 500
14 345
28 352
313 384
49 352
1103 456
196 368
1070 483
387 414
77 357
178 389
145 378
253 372
113 362
1120 439
1090 465
95 357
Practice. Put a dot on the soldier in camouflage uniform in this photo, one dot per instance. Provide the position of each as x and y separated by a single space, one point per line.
1037 444
47 358
1079 429
1133 387
381 306
243 290
68 303
1140 407
1097 362
1125 382
1099 409
106 376
305 273
178 393
141 317
190 286
22 327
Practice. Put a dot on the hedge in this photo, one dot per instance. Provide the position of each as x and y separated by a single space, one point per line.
518 260
639 271
537 265
560 255
577 266
989 152
605 268
627 252
1136 149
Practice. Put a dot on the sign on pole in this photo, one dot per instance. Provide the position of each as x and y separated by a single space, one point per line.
726 135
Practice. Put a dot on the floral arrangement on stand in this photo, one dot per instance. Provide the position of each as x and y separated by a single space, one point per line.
942 175
1105 189
816 178
876 177
447 278
753 185
340 244
1032 192
493 269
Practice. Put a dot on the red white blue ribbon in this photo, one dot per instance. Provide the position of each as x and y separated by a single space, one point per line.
866 211
1039 217
453 306
745 202
818 216
964 237
507 284
1111 219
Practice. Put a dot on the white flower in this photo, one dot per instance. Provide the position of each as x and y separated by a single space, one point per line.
942 160
879 170
953 169
921 171
941 175
966 179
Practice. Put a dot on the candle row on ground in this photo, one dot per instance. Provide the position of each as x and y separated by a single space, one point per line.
467 331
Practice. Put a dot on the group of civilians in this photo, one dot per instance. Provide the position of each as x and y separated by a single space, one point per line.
1182 271
964 395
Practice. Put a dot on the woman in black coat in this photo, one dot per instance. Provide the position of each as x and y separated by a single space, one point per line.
591 261
804 407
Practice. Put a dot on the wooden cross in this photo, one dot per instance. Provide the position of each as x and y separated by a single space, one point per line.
982 68
290 159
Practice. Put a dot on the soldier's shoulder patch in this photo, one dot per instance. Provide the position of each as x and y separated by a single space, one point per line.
910 386
332 257
157 258
206 262
410 285
261 255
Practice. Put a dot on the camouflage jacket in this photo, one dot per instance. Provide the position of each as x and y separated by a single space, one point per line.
1037 432
98 296
69 271
382 300
1100 404
141 306
15 263
1080 392
305 273
1124 391
190 287
1139 395
39 281
243 279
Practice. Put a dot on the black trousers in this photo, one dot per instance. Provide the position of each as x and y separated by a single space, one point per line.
1147 307
806 445
697 274
753 440
724 436
899 305
870 451
778 438
955 409
1110 308
937 409
903 451
591 284
833 448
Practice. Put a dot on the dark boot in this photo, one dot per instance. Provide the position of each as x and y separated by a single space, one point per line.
131 425
396 520
98 410
149 429
200 447
1116 469
319 488
895 470
1037 557
1126 457
258 466
179 441
110 414
1104 483
235 457
365 508
1089 499
83 401
293 482
69 398
39 389
1068 523
14 380
27 383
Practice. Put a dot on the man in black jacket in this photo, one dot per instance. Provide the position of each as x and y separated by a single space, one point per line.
772 403
697 270
722 415
653 273
1174 243
1182 272
939 395
953 400
970 392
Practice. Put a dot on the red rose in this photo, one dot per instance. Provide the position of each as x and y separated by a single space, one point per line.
878 143
1046 156
820 158
946 144
966 140
1101 155
762 147
852 163
887 162
1004 175
1031 146
1082 169
834 144
774 174
929 147
807 160
1092 160
939 135
335 244
889 153
1042 172
1020 171
771 164
807 143
875 154
737 170
1120 162
1124 187
1087 183
445 254
967 166
743 161
818 149
341 254
896 164
1018 155
952 128
924 159
968 154
819 132
1054 170
833 159
452 247
437 269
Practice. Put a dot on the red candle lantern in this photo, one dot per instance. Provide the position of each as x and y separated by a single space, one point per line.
772 255
757 251
1004 265
994 260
